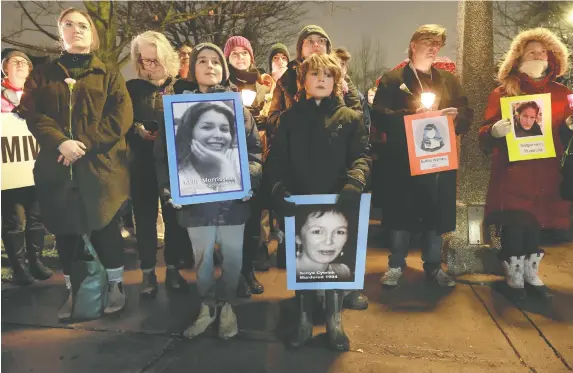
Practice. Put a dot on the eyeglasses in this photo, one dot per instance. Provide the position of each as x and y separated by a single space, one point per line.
320 41
14 62
432 43
239 54
149 63
82 26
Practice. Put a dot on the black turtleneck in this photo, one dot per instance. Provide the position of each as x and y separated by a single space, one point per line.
75 63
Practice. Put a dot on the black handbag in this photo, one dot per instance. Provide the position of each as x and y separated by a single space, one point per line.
567 172
89 284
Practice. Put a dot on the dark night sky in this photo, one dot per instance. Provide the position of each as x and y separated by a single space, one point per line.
390 22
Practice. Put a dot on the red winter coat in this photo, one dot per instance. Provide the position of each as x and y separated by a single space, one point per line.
526 192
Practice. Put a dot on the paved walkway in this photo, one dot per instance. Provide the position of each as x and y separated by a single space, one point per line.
415 328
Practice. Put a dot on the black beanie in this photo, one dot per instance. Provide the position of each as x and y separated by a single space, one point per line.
193 60
277 48
309 30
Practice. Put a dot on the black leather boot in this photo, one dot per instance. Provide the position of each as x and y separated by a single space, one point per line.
336 336
254 285
303 331
243 290
148 285
174 281
34 248
14 243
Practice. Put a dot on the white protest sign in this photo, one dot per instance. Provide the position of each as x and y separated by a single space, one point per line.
19 152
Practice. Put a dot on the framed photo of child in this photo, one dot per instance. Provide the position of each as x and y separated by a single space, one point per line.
206 147
326 246
531 135
431 143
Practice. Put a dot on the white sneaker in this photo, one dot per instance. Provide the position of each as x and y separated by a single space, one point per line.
391 277
204 320
228 322
441 278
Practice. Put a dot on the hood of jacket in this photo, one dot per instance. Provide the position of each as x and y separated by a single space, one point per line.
509 74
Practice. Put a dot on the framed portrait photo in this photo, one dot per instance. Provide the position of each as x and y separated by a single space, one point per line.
431 141
206 147
325 246
531 135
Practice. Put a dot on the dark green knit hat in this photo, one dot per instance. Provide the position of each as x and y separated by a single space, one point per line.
309 30
193 60
277 48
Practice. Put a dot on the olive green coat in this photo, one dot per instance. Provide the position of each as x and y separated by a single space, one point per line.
102 114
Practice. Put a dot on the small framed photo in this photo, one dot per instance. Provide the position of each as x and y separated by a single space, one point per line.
326 247
206 147
531 135
431 141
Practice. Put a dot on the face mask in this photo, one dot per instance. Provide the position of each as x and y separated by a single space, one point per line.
535 68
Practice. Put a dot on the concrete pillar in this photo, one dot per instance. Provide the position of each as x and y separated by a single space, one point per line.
476 71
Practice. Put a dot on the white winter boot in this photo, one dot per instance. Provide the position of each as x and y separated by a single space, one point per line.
514 276
532 281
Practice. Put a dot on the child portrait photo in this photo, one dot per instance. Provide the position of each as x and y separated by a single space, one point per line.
326 245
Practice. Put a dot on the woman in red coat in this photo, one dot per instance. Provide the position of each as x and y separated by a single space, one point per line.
523 197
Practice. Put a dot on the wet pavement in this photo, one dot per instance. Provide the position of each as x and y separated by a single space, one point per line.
414 328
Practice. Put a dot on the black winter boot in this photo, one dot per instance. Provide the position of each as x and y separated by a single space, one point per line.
174 281
303 331
254 285
148 287
16 251
336 336
34 248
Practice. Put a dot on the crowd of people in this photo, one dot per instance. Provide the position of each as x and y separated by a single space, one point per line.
308 131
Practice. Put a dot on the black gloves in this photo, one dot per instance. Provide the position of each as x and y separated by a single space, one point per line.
283 207
349 197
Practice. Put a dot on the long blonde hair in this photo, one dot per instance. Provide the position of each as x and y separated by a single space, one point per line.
166 55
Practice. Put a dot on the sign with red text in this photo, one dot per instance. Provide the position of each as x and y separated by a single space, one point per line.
19 152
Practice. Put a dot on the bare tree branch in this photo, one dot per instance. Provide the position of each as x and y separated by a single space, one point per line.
30 46
38 26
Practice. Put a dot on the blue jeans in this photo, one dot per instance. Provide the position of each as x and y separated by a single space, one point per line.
431 249
230 240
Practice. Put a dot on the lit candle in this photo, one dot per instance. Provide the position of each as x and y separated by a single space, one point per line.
428 99
248 96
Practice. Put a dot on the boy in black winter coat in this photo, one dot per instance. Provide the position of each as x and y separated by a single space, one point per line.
320 147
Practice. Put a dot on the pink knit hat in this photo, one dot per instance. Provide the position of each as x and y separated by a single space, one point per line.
238 41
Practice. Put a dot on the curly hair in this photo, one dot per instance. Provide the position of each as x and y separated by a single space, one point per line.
528 104
189 120
315 62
